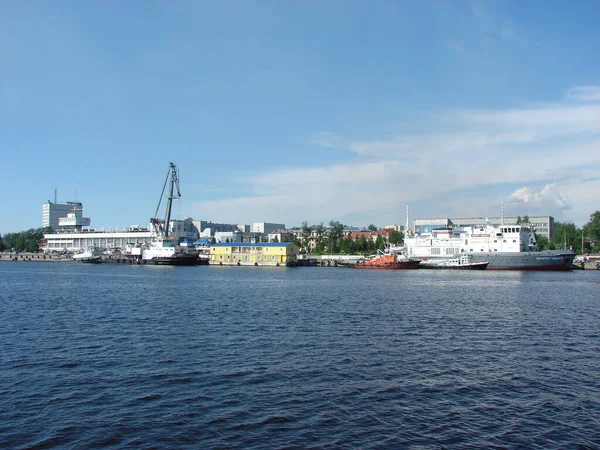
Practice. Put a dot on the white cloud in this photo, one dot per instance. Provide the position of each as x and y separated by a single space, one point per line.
465 160
328 139
585 93
528 199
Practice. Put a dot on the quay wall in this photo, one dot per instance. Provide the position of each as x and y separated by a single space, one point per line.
32 257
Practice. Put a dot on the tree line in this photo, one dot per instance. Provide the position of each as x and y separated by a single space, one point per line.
566 235
24 241
331 239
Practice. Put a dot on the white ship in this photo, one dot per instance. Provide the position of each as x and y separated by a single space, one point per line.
90 255
164 249
504 248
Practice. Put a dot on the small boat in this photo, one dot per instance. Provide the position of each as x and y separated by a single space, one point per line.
464 262
391 260
91 255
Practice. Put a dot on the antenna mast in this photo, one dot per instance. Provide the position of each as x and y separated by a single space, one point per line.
406 226
502 216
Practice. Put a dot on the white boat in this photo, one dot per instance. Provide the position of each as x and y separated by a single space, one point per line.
90 255
167 251
511 247
464 262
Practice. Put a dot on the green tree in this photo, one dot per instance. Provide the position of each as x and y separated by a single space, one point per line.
379 242
336 230
396 237
26 241
361 245
372 227
519 220
320 236
2 246
371 247
593 230
542 242
525 220
305 233
347 245
566 235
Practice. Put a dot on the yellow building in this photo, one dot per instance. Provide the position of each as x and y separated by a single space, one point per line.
247 254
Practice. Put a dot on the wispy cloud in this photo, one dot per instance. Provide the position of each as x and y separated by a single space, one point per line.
491 22
500 154
328 139
584 93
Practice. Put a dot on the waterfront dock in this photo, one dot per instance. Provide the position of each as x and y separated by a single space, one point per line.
33 257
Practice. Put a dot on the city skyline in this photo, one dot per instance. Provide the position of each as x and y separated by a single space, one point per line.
340 111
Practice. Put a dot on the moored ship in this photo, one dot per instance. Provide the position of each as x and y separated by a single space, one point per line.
391 260
90 255
504 248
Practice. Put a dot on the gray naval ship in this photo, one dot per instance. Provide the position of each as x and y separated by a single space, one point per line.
504 247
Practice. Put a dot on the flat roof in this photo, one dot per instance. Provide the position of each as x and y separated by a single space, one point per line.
249 244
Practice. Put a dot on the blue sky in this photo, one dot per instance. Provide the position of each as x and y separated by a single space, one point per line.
290 111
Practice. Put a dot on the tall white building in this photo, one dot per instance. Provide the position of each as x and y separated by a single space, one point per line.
64 215
265 227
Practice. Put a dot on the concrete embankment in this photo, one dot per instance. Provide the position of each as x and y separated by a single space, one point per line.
32 257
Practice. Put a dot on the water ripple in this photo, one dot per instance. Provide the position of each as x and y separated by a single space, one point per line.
134 356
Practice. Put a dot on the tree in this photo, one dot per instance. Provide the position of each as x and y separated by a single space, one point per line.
542 242
396 237
26 241
379 242
336 230
519 220
361 244
566 235
2 247
372 227
320 232
593 229
306 233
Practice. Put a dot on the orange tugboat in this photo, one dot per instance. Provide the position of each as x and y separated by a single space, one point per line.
387 261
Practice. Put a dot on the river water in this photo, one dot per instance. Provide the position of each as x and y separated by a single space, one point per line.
118 356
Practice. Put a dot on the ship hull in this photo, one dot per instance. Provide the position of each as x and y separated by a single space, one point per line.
173 261
546 260
399 265
471 266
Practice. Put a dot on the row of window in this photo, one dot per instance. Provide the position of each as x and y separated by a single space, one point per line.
245 257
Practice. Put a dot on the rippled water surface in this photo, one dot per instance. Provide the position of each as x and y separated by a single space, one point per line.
213 357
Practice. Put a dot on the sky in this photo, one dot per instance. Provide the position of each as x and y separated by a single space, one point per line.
280 111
